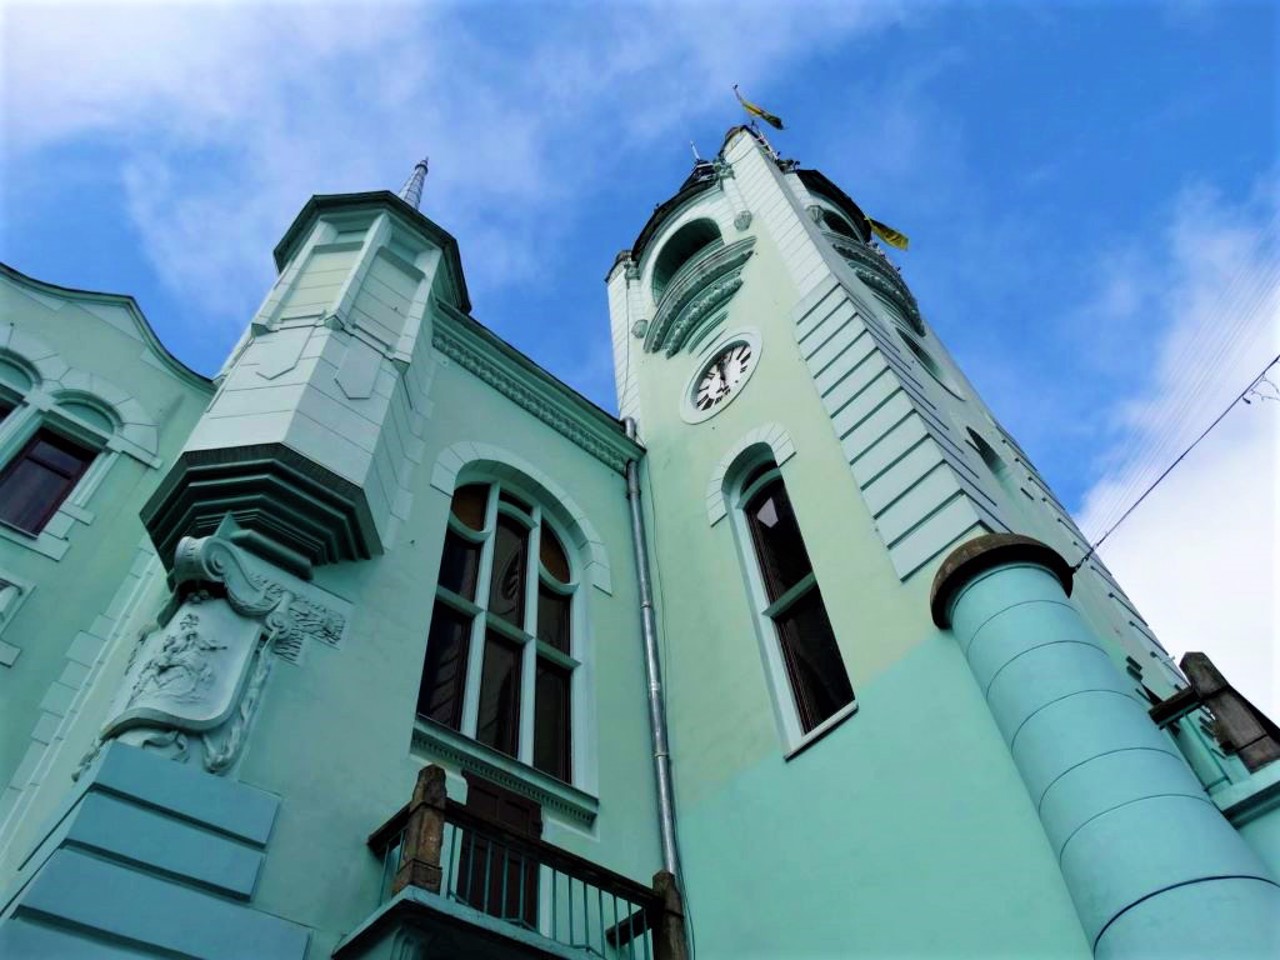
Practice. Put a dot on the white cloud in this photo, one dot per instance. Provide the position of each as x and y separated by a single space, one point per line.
1200 556
225 117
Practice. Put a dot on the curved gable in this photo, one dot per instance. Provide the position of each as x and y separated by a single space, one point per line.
120 311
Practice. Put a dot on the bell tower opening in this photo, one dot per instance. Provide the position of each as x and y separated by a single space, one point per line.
684 244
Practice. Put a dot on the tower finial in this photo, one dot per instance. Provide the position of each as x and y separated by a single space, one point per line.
411 192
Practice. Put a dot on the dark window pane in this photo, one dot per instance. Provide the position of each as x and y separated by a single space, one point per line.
814 667
506 589
783 560
444 676
506 496
469 504
459 565
62 458
498 724
836 224
553 556
39 478
553 619
551 744
5 409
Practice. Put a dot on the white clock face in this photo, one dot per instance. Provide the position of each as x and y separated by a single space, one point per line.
724 376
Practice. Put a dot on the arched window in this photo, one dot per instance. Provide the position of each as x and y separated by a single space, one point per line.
801 649
44 455
930 364
837 224
500 651
679 249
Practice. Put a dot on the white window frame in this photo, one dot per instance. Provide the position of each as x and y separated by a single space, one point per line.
781 694
28 417
482 620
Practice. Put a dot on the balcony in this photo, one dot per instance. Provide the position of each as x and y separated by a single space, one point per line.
879 273
700 287
457 884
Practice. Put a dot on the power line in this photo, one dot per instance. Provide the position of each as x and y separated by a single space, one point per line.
1169 469
1192 366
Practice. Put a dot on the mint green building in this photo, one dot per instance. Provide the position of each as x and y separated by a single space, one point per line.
387 644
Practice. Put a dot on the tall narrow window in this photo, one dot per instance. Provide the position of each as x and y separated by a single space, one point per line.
42 475
816 676
500 658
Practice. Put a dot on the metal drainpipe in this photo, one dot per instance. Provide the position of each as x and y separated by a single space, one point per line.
653 670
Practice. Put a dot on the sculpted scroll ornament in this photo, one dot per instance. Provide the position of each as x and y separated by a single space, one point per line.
201 676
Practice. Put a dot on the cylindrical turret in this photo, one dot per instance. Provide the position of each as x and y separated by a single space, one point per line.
1154 869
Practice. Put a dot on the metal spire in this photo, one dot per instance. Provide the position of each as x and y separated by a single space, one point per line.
411 192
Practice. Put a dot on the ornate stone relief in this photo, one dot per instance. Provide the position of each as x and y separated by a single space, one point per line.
742 220
699 310
198 679
697 289
875 270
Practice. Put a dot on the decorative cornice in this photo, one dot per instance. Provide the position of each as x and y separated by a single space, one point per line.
439 743
705 282
380 200
690 318
123 301
531 388
874 269
289 509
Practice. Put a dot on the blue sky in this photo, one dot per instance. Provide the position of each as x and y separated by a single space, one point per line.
1089 188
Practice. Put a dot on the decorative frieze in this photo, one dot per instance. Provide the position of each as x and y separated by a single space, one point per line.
874 269
509 382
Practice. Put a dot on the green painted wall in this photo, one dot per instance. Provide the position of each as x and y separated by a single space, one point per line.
98 346
334 736
904 830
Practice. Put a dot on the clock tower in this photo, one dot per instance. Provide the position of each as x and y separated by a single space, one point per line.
834 512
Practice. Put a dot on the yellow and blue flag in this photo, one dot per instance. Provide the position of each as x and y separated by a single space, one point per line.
889 235
757 111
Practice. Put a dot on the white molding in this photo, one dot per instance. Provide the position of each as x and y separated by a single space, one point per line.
502 463
772 435
14 591
136 432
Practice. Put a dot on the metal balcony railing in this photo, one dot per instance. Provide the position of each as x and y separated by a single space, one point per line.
436 844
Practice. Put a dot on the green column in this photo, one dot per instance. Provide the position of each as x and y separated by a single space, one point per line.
1154 869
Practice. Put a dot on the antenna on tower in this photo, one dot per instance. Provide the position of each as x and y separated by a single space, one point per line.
411 192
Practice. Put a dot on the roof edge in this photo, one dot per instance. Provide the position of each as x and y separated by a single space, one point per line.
819 183
602 425
116 299
401 207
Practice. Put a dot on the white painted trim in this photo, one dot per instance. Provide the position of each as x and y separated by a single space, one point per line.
689 411
501 463
772 435
477 462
